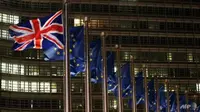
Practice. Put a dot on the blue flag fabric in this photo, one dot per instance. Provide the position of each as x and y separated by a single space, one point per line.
76 51
96 61
112 78
40 33
140 95
139 88
77 42
198 108
126 81
151 96
163 100
173 102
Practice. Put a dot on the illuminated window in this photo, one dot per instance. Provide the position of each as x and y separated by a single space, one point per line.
33 70
126 56
14 86
169 57
45 87
136 70
34 87
190 57
165 90
12 68
3 84
115 69
113 104
4 34
78 22
72 89
4 67
0 17
10 85
6 18
16 19
53 88
198 88
25 86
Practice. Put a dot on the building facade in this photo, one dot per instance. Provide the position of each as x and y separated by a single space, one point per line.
163 36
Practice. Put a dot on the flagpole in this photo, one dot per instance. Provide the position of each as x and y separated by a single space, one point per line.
157 96
105 84
120 101
146 90
134 106
66 80
87 73
168 102
177 99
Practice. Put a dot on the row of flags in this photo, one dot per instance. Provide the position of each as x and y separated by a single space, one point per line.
47 34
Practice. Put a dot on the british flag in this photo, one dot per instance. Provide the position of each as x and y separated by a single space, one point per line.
39 33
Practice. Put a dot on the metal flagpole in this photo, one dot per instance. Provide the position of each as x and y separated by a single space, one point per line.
134 106
105 84
146 90
177 99
87 73
157 96
168 104
120 101
66 78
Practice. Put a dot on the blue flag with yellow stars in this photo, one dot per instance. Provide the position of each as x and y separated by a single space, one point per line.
76 51
126 81
112 78
172 102
140 97
151 95
163 99
139 88
96 61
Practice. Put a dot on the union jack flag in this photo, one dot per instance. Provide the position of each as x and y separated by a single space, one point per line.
40 33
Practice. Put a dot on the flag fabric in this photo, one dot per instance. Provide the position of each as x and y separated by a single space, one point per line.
112 78
140 95
76 42
76 46
172 102
77 63
126 81
184 105
198 109
40 33
96 61
151 96
139 88
163 99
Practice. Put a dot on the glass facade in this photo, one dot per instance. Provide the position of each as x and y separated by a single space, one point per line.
162 35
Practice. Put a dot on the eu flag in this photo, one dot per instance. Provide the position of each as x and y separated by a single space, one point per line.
152 95
163 100
96 61
139 88
112 79
76 51
173 102
126 81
